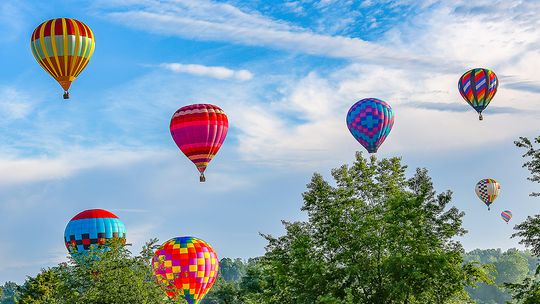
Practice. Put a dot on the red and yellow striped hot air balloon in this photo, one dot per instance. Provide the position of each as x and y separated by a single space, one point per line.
199 131
63 47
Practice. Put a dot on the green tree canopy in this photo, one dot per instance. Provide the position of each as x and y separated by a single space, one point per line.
528 292
103 277
372 236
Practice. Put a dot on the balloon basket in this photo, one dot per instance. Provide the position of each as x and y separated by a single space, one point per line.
66 95
202 179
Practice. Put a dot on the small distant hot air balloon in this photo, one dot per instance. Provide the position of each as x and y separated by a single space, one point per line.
370 121
506 215
92 227
199 131
487 190
63 47
186 267
478 87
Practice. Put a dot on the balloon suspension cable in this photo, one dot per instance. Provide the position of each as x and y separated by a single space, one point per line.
202 179
66 95
480 117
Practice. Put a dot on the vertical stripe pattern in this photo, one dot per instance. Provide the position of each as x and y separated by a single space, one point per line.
63 47
488 190
186 267
478 87
199 130
370 121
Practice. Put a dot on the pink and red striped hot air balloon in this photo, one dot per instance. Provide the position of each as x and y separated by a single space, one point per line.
199 131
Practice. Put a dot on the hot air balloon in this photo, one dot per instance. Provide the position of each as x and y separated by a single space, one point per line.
63 47
199 131
487 190
370 121
478 86
506 215
186 266
92 227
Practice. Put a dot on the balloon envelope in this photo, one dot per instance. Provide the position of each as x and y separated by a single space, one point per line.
506 215
199 130
186 266
63 47
487 190
92 227
370 121
478 87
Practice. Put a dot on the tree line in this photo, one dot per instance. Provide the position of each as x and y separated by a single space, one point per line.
373 235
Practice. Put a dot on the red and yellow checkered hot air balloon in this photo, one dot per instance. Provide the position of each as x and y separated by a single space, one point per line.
63 47
186 267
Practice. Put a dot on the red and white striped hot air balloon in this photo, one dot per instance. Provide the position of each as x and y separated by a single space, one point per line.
199 131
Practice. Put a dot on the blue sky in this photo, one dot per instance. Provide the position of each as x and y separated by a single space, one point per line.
286 73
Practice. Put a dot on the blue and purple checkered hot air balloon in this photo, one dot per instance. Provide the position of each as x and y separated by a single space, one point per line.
92 227
478 87
370 121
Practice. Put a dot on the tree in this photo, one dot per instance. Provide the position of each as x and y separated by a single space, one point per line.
373 237
101 276
231 270
529 231
533 156
511 266
9 293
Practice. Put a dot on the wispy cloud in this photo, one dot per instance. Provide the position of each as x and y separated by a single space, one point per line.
17 170
14 104
12 19
458 107
207 20
523 85
218 72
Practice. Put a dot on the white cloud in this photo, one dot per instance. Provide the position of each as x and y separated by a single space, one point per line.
17 170
218 72
12 19
206 20
321 105
302 123
14 104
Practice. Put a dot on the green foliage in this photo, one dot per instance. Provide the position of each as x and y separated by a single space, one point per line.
374 237
111 276
511 266
529 233
533 159
231 270
528 291
9 293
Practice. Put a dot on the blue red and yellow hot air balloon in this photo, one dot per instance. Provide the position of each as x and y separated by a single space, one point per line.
370 120
506 215
63 47
186 267
488 190
92 228
478 87
199 130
